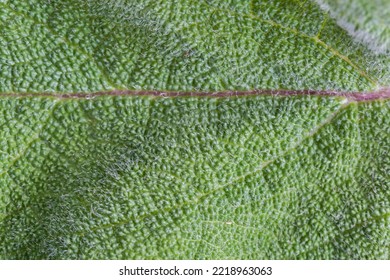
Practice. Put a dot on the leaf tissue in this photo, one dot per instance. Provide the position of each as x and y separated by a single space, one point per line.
182 129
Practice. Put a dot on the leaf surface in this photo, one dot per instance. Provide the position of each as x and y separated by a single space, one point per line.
193 130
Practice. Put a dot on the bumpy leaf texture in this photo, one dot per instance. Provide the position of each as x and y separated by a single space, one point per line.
209 129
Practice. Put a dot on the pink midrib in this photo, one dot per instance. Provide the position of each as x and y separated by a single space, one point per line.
349 96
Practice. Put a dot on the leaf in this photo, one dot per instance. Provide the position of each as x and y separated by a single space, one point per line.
89 46
193 130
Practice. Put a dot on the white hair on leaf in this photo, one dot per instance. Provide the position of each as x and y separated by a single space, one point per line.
364 34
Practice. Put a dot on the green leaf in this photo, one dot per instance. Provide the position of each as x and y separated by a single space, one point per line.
194 130
88 46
